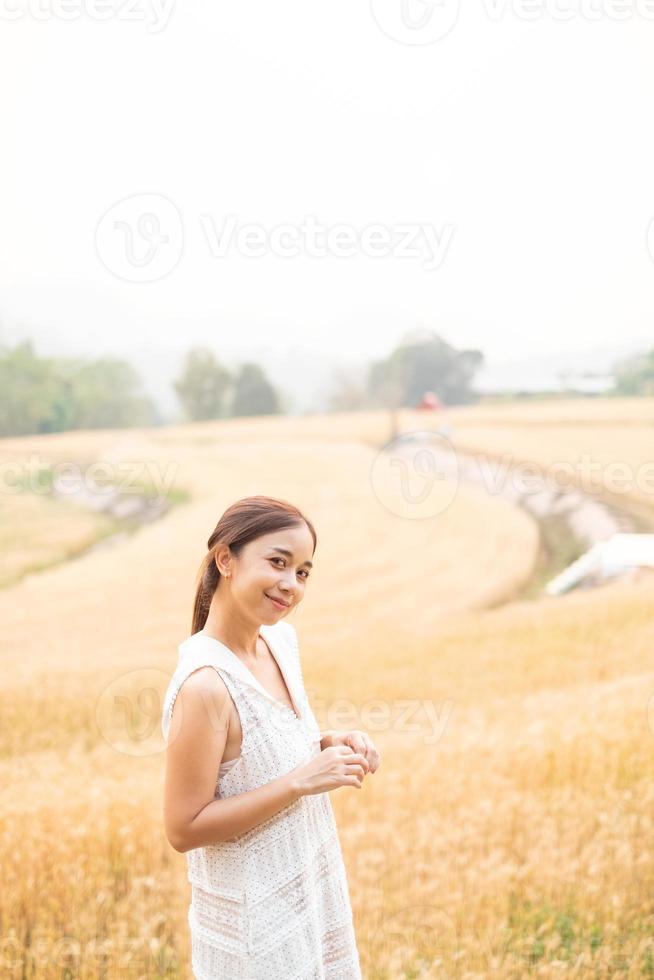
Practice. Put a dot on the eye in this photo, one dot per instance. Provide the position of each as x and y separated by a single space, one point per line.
306 572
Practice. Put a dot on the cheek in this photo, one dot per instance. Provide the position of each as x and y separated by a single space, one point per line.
267 578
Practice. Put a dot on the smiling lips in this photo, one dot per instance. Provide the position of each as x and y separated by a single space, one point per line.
278 602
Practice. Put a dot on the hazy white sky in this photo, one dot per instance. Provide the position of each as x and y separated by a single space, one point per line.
520 151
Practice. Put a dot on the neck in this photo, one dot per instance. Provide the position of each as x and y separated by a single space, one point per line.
232 629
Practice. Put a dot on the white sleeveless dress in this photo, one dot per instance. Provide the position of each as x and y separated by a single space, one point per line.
273 902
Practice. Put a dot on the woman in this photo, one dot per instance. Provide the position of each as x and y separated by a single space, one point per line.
269 894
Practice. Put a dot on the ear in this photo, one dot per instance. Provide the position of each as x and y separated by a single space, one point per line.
223 561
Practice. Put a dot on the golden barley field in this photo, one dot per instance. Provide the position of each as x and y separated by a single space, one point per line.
604 445
508 831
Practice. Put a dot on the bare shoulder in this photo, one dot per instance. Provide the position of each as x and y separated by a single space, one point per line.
204 680
202 697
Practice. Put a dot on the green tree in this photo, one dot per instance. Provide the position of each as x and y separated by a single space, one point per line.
28 390
203 385
253 393
43 394
635 376
424 362
105 394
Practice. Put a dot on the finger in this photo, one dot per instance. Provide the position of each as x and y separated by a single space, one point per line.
369 752
368 749
358 742
372 755
354 756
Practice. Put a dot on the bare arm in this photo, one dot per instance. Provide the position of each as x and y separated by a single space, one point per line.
198 734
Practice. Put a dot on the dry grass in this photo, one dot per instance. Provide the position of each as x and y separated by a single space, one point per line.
37 531
506 833
603 446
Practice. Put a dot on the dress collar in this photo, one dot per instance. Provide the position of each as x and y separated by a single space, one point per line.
230 662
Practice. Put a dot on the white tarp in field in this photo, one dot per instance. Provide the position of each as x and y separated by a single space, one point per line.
606 559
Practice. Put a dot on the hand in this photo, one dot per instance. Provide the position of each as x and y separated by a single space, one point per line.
358 741
335 766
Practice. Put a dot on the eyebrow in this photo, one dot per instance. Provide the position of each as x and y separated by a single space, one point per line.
285 551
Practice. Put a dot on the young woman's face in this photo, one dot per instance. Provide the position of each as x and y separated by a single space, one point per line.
273 567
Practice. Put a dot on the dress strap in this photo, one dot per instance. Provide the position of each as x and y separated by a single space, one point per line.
237 691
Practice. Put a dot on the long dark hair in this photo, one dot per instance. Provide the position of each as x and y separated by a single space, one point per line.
245 520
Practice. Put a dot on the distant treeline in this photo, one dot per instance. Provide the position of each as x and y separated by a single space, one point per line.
48 394
53 394
635 375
